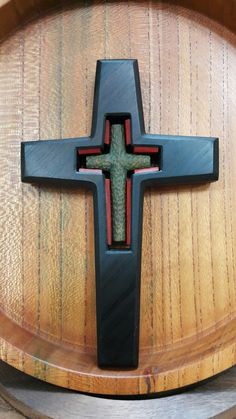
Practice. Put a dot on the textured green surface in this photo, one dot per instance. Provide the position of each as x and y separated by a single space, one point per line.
118 162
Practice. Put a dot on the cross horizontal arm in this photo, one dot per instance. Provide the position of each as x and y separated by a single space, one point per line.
184 159
102 162
135 161
52 160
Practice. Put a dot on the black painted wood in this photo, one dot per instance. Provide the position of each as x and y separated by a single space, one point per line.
182 160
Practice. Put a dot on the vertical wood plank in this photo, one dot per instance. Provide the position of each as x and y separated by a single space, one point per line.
50 199
30 194
11 82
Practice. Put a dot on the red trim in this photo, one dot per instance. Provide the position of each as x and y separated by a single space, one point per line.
145 149
108 211
128 211
87 151
107 132
128 131
90 170
148 169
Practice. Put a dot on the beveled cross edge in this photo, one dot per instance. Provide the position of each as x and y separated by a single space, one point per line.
183 160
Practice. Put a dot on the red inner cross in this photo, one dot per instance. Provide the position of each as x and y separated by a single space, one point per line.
135 150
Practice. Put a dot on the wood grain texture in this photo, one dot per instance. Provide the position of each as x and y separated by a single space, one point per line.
39 400
187 67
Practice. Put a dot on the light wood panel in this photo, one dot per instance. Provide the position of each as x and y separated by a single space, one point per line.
47 274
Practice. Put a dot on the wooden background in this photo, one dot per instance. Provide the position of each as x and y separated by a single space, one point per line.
187 66
38 400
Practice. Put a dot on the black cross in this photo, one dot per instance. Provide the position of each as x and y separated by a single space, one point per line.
175 160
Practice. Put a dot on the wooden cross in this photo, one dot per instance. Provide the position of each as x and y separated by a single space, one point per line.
117 162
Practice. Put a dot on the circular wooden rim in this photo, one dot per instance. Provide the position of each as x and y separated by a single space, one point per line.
178 362
180 365
27 396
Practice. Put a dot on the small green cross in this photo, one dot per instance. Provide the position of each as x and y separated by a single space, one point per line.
118 162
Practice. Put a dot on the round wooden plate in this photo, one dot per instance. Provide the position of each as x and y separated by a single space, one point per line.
38 400
187 60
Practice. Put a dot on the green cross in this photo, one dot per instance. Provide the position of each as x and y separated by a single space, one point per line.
118 163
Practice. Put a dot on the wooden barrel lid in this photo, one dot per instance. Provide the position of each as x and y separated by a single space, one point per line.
187 57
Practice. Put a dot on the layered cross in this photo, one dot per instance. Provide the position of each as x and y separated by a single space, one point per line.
117 162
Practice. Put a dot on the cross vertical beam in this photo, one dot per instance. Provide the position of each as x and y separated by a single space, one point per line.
182 160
